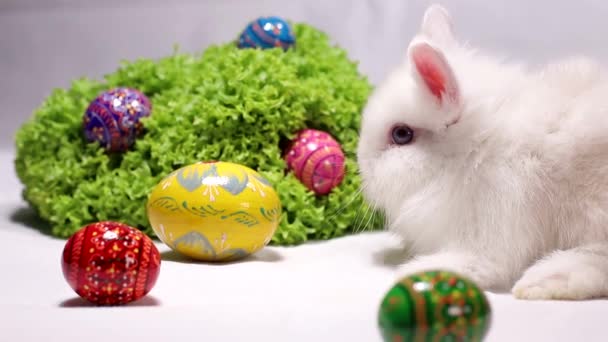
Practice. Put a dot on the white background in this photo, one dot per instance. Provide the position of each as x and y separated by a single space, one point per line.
47 43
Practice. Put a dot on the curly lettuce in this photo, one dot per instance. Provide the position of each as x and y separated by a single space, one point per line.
238 105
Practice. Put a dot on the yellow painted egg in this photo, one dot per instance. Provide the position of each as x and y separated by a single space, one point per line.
214 211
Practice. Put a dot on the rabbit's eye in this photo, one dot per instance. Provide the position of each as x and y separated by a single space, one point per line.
402 135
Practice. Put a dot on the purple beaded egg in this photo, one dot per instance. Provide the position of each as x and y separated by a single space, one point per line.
113 118
317 160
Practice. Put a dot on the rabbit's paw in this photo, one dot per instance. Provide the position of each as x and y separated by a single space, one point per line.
569 275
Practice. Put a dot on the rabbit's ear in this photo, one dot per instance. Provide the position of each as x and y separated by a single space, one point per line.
433 73
437 26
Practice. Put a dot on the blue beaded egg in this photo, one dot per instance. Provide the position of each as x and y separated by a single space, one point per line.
266 33
113 118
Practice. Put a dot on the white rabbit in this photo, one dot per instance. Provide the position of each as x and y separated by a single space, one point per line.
490 169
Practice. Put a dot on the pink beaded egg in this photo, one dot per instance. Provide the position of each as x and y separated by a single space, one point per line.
317 160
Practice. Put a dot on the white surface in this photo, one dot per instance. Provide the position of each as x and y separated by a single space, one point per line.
328 291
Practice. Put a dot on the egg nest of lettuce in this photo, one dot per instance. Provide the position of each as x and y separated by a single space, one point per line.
224 103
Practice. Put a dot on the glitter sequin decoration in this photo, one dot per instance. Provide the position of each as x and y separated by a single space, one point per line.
317 160
266 33
113 118
110 263
434 306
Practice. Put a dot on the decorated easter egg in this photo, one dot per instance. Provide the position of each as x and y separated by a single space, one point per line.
266 33
434 306
317 160
214 211
113 118
110 263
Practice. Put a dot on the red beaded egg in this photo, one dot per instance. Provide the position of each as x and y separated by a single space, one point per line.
110 263
317 160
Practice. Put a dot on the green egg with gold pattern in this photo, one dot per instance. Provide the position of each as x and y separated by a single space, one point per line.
434 306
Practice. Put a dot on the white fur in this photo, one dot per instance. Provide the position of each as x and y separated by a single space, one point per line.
516 191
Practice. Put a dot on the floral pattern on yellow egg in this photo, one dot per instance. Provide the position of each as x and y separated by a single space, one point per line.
214 211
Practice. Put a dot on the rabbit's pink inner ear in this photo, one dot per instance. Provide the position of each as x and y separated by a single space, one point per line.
435 71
